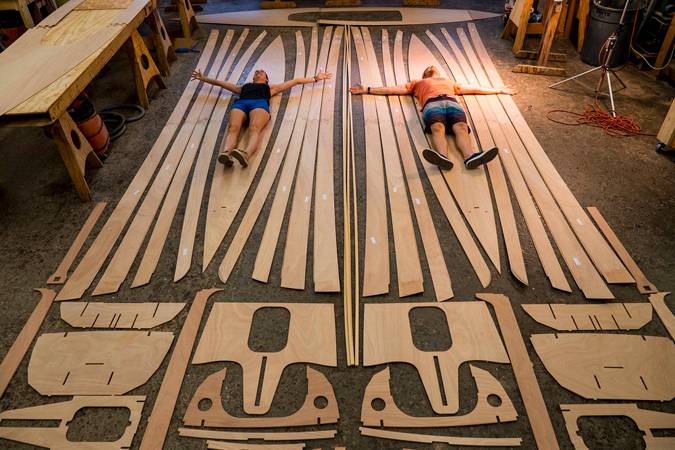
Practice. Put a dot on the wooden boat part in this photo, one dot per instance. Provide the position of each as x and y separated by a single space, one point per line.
596 317
308 414
220 445
432 438
391 416
658 301
92 261
59 276
438 269
56 437
347 249
263 435
388 338
139 316
434 175
537 414
311 339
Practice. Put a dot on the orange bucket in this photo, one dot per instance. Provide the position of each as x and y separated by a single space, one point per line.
96 133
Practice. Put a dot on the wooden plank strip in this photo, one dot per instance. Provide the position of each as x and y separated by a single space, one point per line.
194 200
348 292
61 273
181 149
221 445
264 435
92 261
658 301
432 248
533 400
26 336
297 236
271 167
431 438
643 284
376 259
355 326
434 175
408 268
162 411
268 243
599 251
463 74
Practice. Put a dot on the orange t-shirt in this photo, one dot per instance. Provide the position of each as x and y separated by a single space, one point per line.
428 88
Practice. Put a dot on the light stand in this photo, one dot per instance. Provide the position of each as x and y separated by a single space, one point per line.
605 71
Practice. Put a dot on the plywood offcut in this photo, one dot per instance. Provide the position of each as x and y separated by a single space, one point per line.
596 317
139 316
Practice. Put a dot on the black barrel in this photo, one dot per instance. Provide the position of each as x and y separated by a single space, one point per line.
605 19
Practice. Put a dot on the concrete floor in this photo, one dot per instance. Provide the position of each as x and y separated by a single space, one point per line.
624 177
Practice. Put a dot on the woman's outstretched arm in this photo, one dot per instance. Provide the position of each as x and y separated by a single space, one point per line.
197 75
279 88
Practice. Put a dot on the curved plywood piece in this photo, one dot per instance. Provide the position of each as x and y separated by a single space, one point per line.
140 316
388 338
229 186
308 414
469 187
610 366
311 339
268 243
438 269
434 175
93 260
220 445
431 438
262 435
597 317
391 416
95 362
658 301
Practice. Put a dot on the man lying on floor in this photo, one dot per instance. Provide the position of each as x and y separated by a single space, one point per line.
442 114
252 106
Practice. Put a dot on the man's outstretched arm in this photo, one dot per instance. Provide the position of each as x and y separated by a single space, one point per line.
469 89
382 90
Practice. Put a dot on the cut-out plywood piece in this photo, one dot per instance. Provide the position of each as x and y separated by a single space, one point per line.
96 362
658 301
311 339
140 316
309 414
597 317
610 366
220 445
55 438
262 435
432 438
469 187
391 416
388 337
645 419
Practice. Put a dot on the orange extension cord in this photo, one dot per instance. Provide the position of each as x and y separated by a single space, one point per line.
595 116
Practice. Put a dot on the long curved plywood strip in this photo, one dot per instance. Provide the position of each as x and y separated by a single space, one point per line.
271 168
229 186
268 243
643 284
434 175
463 75
600 252
262 435
376 275
597 317
610 366
162 411
438 269
25 338
645 419
153 249
55 438
293 17
579 264
408 268
220 445
92 261
96 362
469 187
537 414
308 414
658 301
532 218
432 438
139 316
294 263
391 416
311 339
388 337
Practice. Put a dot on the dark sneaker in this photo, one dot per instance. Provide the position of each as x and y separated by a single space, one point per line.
480 158
225 159
435 158
241 156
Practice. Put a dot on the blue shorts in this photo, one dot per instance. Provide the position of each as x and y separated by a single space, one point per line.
249 104
448 112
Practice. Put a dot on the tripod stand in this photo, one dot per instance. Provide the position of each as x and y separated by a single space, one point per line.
605 70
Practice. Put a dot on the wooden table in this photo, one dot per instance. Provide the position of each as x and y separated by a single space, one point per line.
48 107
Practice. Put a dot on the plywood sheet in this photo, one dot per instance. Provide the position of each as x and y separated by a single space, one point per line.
596 317
658 301
138 316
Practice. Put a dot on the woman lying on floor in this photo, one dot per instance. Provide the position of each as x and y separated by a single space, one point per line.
442 114
253 105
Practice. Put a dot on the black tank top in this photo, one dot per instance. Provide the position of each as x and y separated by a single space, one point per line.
255 91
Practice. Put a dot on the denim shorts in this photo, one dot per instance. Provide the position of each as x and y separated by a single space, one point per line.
249 104
448 112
